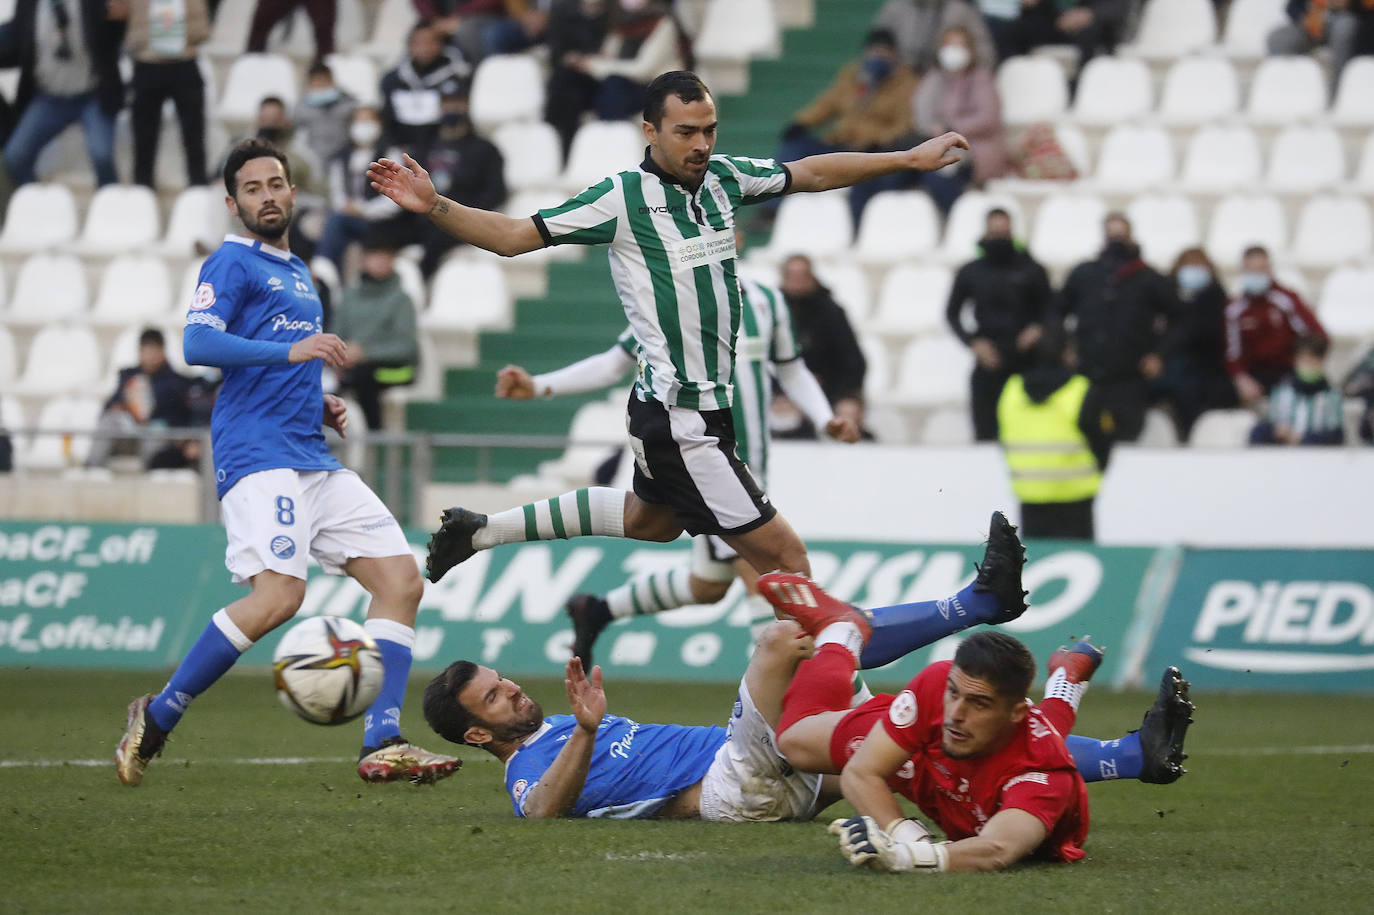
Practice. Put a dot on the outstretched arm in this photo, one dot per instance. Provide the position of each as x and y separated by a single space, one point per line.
590 374
845 169
557 791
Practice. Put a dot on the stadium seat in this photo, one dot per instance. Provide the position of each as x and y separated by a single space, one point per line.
1075 145
357 75
387 39
295 35
1134 159
1068 229
1199 90
505 88
967 221
1248 24
1163 226
469 295
229 29
601 148
1173 28
1223 429
51 287
1364 172
9 359
1032 89
848 284
739 31
878 370
13 417
1306 159
1354 104
1221 159
1346 306
39 216
190 279
198 215
1112 90
251 78
1286 89
1241 220
816 224
61 359
913 300
412 281
597 429
897 225
532 152
133 289
120 218
1158 432
56 450
933 371
1332 230
948 426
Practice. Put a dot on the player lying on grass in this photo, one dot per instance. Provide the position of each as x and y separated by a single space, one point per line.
593 764
988 767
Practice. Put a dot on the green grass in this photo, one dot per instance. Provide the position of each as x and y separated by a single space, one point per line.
206 834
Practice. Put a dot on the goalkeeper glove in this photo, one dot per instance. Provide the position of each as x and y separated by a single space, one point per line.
904 846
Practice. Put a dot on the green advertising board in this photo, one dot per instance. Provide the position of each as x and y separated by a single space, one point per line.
1292 620
122 596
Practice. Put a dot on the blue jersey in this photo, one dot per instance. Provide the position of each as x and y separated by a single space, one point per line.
269 412
635 768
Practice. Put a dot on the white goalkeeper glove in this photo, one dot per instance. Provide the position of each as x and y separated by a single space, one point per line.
904 846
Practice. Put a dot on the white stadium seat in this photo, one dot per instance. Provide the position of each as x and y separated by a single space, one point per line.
739 30
12 417
1354 104
1223 429
897 225
1221 159
849 287
39 216
469 295
253 77
1346 307
190 279
948 426
133 289
61 359
913 300
967 222
934 371
1248 24
1199 90
51 287
1173 28
878 373
1364 172
1112 90
229 29
1032 89
387 39
357 75
532 153
120 218
1332 230
1241 220
1163 225
53 451
1158 432
1134 159
9 359
600 148
1068 229
507 87
814 224
296 36
198 215
595 430
1286 89
1306 159
1075 145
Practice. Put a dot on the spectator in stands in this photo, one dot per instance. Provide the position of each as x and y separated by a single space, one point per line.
1262 325
577 28
918 25
1360 383
470 25
523 29
268 13
274 125
867 108
1344 26
148 394
1093 26
1121 307
1194 379
829 347
165 67
1001 17
67 52
354 207
1011 299
413 92
961 95
1303 408
324 113
201 391
376 319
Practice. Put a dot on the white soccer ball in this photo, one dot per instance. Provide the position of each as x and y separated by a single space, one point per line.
328 669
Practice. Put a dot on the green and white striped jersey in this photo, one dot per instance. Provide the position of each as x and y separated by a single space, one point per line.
672 255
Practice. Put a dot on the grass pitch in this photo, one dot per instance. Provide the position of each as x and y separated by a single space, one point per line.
1275 814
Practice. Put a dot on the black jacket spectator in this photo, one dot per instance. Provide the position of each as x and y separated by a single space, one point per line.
1194 346
169 395
413 92
829 347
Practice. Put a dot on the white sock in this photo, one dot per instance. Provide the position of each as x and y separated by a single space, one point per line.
652 592
390 630
595 511
231 630
844 634
1059 687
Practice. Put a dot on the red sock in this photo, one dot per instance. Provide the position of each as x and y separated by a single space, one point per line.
825 683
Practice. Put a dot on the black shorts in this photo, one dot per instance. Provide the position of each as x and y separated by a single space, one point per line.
687 460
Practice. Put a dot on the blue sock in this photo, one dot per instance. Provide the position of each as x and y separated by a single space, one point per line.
901 629
218 647
1104 760
384 715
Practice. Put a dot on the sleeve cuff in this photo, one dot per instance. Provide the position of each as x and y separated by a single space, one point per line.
543 230
787 179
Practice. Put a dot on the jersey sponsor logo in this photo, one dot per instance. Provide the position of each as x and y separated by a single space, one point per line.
902 712
1034 778
1039 727
518 789
282 322
275 284
707 248
203 298
670 208
620 749
283 547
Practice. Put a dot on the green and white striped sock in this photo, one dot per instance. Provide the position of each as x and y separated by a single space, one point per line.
652 592
597 511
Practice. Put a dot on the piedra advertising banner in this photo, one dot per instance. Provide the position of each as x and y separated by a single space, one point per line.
1292 620
124 596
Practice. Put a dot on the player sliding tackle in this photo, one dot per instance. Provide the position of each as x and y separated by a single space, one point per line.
669 227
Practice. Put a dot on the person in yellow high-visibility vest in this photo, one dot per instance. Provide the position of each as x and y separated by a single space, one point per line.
1057 435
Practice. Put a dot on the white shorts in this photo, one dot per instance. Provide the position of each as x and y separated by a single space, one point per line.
713 559
749 781
277 518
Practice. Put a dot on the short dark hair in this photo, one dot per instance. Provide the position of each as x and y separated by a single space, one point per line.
686 85
998 211
881 36
1312 344
271 100
245 150
999 659
448 717
151 336
380 238
1255 251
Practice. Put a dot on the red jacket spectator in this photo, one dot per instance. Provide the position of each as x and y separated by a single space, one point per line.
1261 330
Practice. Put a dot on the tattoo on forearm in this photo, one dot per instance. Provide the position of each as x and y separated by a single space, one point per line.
442 207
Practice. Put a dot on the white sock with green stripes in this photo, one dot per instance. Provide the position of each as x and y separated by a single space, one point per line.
597 511
652 592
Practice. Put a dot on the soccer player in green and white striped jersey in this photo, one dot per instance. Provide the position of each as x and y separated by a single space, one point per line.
668 224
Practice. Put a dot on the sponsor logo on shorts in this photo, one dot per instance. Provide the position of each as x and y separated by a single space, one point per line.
204 297
517 790
903 709
380 523
283 547
739 709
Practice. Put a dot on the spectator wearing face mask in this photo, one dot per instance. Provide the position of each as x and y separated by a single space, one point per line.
354 207
918 24
1194 348
1303 408
324 113
1262 325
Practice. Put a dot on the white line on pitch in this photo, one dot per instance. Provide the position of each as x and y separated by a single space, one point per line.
240 761
1287 751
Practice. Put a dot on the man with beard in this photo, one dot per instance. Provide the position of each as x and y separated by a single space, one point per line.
256 316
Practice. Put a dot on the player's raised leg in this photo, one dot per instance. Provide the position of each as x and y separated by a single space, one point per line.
1153 754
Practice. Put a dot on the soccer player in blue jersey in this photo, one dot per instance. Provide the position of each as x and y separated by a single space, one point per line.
256 315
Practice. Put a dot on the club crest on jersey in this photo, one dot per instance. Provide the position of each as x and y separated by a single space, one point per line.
517 790
283 547
903 709
204 297
722 198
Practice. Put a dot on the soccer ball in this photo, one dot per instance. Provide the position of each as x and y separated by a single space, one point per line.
327 669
